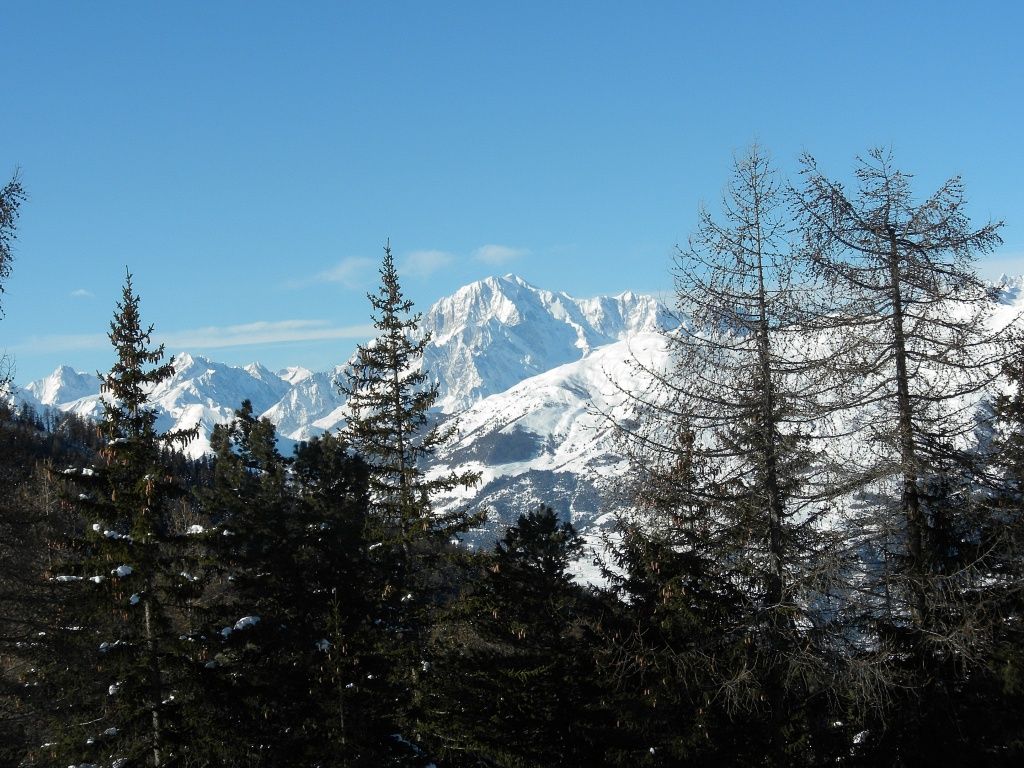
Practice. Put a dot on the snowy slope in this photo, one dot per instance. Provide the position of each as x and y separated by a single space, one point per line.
552 438
311 406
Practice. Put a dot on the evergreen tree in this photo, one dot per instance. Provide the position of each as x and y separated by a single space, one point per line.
389 415
389 402
29 515
110 659
289 667
511 683
669 644
247 574
11 197
355 719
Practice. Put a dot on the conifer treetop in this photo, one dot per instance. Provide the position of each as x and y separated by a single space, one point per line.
389 398
11 197
127 414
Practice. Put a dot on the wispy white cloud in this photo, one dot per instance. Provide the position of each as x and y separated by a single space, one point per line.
82 293
211 337
498 254
262 332
67 342
425 263
352 272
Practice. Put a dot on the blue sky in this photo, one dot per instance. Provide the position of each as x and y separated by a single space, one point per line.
247 160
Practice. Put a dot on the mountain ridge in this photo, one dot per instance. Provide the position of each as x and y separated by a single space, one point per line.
486 337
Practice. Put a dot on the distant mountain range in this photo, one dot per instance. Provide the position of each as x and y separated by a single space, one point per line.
531 377
527 373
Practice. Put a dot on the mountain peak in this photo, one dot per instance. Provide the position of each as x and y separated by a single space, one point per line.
188 362
65 384
257 370
182 361
496 283
492 333
293 374
511 277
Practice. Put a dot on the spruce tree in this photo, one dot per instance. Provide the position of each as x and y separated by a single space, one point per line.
289 668
11 197
246 572
348 673
389 426
29 517
389 422
511 682
111 658
670 640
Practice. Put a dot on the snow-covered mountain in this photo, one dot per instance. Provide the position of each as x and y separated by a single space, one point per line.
201 392
312 405
552 438
526 373
64 385
518 365
494 333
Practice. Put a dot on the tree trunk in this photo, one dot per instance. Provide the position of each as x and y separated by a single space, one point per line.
910 502
156 738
